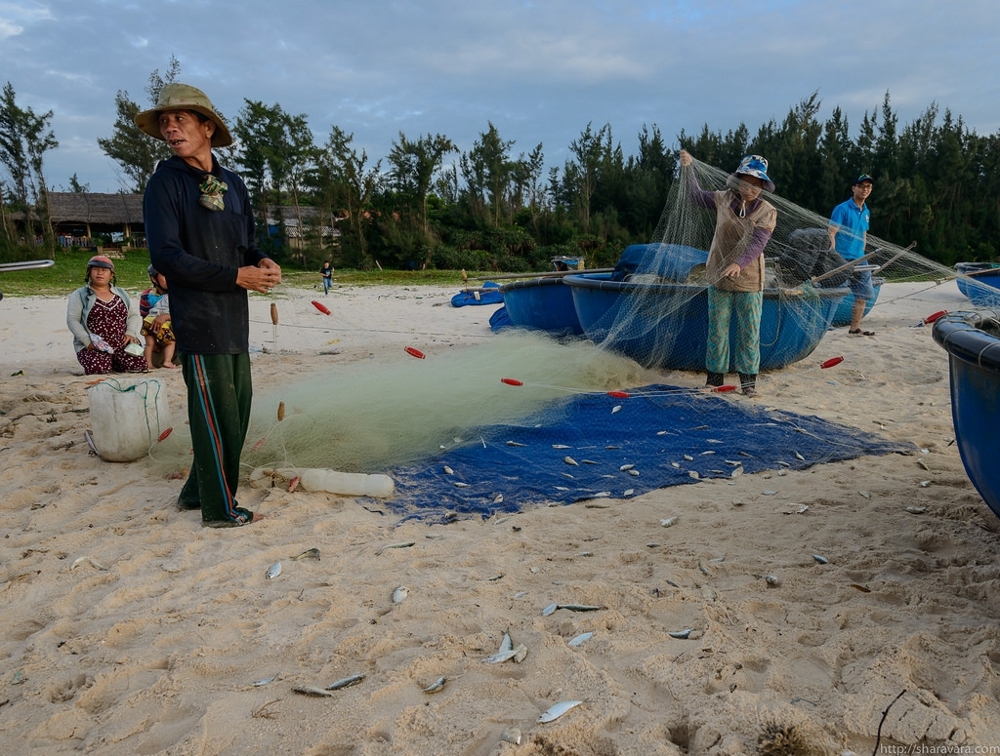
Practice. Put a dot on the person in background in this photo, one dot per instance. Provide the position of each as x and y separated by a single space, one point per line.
327 273
200 233
154 306
735 268
848 232
104 322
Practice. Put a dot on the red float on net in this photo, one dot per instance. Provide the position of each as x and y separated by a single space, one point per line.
831 362
512 381
620 394
414 352
724 389
321 307
165 433
937 315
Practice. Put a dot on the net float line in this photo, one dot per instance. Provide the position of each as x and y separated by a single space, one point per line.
321 307
414 352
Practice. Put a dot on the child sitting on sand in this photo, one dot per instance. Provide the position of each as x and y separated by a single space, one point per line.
154 306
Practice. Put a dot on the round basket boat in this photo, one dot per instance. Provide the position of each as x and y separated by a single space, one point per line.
980 282
542 304
665 325
972 340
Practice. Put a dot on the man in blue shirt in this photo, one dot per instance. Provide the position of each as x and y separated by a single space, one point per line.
848 235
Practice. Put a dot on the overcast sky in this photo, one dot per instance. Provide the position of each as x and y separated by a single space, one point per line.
539 70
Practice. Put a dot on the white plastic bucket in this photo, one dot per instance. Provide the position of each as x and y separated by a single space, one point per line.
127 417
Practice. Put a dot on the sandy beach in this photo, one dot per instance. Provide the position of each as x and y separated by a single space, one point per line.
129 629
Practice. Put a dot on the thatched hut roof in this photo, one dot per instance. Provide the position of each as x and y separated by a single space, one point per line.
87 207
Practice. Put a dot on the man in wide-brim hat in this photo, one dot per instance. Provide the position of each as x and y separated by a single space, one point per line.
200 230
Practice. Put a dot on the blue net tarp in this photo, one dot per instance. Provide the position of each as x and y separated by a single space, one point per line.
663 436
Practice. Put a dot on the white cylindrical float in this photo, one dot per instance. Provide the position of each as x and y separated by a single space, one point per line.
127 417
326 480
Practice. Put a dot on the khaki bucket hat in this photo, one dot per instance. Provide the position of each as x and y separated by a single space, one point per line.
183 97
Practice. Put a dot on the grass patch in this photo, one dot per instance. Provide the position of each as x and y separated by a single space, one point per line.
71 267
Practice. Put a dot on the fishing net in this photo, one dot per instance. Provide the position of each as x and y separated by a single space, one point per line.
489 427
654 306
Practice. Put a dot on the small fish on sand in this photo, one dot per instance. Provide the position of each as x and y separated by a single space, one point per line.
670 521
307 554
821 559
273 571
401 545
91 561
345 682
681 634
557 710
580 640
264 681
399 594
436 686
309 690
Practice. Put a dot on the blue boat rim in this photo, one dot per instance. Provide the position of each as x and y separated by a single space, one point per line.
967 336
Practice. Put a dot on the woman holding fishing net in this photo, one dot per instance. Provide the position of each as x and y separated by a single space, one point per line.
735 269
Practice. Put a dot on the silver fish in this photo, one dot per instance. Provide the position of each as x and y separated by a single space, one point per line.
309 690
705 453
559 446
557 710
570 461
675 464
681 634
448 470
273 571
437 685
307 554
670 521
264 681
616 408
634 473
772 580
737 472
93 563
821 559
628 492
515 443
689 458
581 607
498 499
399 594
549 609
626 468
799 456
345 682
403 545
694 474
460 484
580 640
